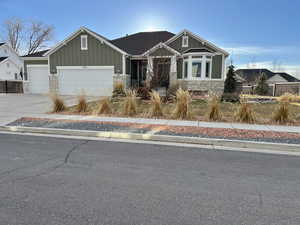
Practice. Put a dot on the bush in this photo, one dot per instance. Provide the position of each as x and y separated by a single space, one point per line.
104 107
288 97
230 82
281 114
144 93
130 105
262 87
244 113
156 106
214 109
82 104
182 108
119 90
230 97
58 103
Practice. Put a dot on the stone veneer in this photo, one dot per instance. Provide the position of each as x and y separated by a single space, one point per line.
215 86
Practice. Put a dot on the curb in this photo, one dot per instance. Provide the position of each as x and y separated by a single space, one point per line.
159 138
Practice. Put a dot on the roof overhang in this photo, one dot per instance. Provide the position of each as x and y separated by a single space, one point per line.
73 35
160 45
211 45
34 58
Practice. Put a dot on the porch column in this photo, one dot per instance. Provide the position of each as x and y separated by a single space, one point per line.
173 71
149 70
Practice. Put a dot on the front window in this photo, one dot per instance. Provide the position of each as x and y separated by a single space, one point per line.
186 65
207 69
196 69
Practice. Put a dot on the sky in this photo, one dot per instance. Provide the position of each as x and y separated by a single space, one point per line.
257 33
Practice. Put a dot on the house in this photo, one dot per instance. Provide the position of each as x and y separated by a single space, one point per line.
251 75
11 65
88 61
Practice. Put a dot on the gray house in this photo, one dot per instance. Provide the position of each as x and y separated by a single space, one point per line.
90 62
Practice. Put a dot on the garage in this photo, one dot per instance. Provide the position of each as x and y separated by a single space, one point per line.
93 80
38 79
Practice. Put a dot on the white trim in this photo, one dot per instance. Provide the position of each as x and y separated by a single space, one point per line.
83 67
160 45
14 51
223 68
83 38
4 60
36 65
185 41
197 38
34 58
73 35
123 65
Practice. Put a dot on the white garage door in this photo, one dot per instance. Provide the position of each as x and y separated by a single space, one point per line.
38 79
93 80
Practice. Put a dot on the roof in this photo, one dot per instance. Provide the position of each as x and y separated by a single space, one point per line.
3 58
197 50
2 43
139 43
288 77
37 54
251 75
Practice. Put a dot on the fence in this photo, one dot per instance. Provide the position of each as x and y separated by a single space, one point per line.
11 86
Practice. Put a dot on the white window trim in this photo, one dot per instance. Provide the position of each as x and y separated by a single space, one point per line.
203 60
82 37
185 41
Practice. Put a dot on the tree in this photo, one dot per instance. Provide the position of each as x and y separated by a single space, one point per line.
262 87
27 37
230 86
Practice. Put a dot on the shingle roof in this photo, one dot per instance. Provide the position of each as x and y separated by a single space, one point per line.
2 43
37 54
139 43
197 50
288 77
3 58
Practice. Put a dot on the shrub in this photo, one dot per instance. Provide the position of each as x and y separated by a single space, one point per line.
156 106
58 103
262 87
288 97
281 115
130 104
182 108
230 82
82 104
119 90
244 113
214 108
104 107
230 97
144 93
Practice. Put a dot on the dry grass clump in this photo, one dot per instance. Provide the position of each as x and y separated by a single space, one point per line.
214 113
281 115
288 97
182 108
58 103
245 113
156 105
104 107
119 90
130 104
82 105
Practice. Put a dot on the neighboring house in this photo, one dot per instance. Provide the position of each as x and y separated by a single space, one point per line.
250 76
11 65
90 62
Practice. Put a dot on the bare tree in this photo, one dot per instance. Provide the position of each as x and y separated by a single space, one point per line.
27 37
13 31
38 35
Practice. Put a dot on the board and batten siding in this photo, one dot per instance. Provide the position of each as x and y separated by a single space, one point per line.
161 52
217 64
98 54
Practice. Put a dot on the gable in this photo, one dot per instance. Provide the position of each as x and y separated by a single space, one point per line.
276 79
161 52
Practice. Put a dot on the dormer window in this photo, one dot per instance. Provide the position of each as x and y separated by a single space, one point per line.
84 42
185 41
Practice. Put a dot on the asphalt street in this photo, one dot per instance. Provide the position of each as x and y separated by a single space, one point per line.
55 181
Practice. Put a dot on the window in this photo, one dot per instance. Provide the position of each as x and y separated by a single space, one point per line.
207 69
5 51
196 69
7 65
84 42
185 41
185 73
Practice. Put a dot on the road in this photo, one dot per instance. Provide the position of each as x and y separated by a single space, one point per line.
51 181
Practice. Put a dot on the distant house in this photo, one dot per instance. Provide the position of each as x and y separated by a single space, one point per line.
250 76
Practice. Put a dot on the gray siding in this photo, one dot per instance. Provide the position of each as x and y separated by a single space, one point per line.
193 43
161 52
34 62
98 54
216 72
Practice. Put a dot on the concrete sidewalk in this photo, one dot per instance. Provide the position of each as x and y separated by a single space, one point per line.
274 128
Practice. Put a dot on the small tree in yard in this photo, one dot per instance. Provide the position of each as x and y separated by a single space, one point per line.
230 87
262 87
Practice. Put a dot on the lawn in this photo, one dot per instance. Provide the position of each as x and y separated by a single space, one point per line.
263 111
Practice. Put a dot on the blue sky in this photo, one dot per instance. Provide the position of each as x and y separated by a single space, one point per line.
256 33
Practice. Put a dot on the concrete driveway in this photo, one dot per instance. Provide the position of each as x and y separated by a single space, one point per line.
14 106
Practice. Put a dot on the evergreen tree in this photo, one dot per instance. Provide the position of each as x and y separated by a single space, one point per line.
262 87
230 82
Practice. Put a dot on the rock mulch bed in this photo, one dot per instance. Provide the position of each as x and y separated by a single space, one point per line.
222 133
